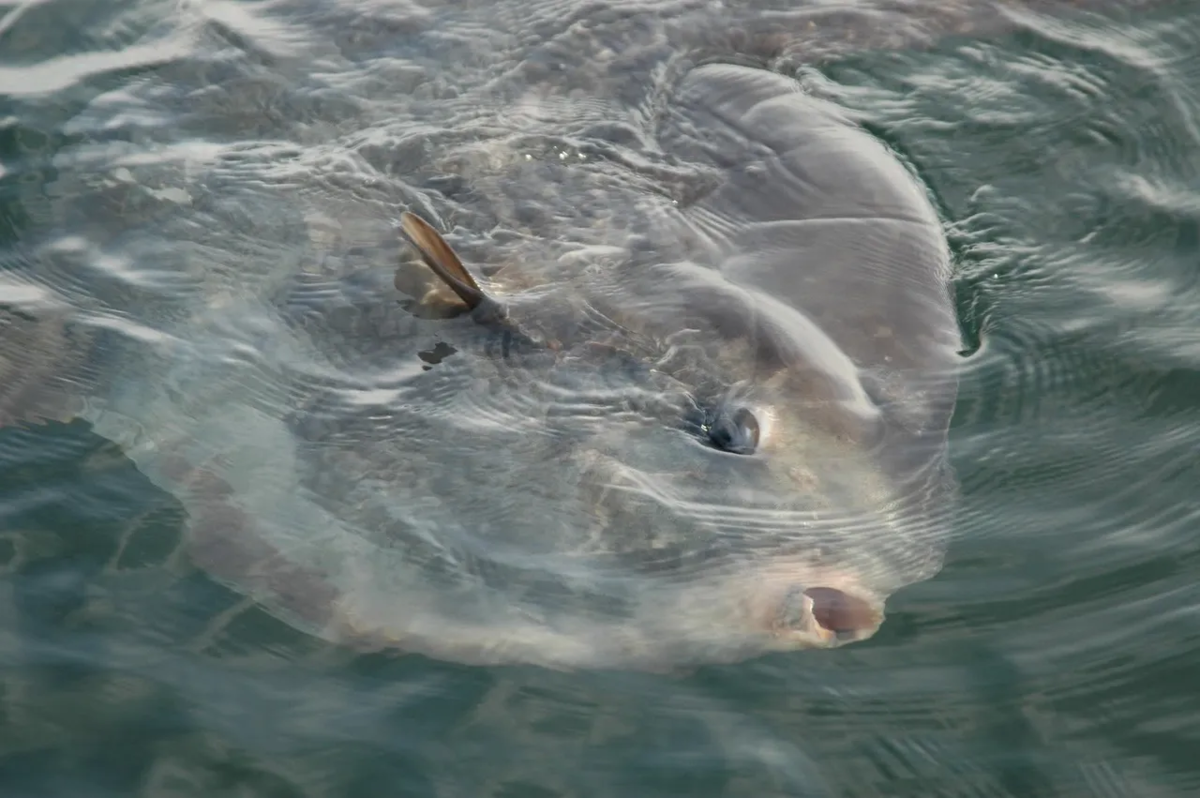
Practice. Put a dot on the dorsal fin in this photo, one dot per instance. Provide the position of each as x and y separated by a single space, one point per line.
441 260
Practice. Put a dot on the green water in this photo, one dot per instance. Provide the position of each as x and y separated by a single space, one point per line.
1054 655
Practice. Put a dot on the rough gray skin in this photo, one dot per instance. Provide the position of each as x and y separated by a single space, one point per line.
600 525
551 490
668 250
673 243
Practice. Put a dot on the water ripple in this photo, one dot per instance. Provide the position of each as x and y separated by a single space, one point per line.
207 191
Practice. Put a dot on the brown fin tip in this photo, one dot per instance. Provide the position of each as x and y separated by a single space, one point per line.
440 258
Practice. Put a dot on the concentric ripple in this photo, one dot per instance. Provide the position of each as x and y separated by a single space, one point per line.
197 210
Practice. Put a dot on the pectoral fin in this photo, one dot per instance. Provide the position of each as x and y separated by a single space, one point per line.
441 260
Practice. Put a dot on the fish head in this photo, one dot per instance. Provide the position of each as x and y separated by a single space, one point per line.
783 466
753 482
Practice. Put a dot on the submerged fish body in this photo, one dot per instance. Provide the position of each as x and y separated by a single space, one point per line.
700 427
724 438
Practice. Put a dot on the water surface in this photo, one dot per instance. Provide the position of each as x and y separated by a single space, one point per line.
160 157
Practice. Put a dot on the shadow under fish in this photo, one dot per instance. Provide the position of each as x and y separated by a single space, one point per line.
723 441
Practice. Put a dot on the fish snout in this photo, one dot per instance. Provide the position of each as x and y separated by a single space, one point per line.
824 616
845 615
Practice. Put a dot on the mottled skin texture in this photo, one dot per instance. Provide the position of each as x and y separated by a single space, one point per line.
553 491
40 356
623 360
771 256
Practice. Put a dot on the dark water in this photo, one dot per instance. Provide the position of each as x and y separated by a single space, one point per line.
150 151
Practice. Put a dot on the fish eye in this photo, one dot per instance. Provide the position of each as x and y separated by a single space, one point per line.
735 432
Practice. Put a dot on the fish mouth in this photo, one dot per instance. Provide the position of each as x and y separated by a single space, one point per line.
825 617
843 616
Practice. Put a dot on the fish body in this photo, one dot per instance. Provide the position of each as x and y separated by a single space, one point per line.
674 428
